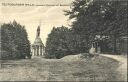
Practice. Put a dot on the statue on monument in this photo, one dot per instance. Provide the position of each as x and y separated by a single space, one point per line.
38 31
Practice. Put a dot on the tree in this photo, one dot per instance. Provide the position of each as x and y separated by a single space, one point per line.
99 17
14 41
62 41
56 45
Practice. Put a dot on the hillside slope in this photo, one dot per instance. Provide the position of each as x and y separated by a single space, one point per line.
99 68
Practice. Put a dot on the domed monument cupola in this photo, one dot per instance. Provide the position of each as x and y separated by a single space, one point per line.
37 46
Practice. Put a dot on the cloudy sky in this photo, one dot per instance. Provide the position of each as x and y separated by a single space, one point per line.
30 16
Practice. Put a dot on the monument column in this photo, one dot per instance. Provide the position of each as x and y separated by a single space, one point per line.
39 50
36 51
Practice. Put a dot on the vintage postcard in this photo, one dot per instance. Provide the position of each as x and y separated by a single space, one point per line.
63 40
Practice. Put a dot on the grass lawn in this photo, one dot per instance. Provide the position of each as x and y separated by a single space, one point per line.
38 69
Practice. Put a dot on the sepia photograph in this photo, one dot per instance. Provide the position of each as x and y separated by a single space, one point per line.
63 40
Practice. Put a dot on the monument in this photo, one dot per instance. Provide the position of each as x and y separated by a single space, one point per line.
37 48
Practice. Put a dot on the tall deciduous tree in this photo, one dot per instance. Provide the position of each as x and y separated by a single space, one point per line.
99 17
56 45
14 41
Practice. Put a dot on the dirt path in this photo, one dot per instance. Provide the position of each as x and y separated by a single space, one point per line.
123 64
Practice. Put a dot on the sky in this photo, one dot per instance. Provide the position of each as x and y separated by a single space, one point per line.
30 16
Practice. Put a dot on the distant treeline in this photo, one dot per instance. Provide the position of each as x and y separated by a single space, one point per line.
102 22
14 41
